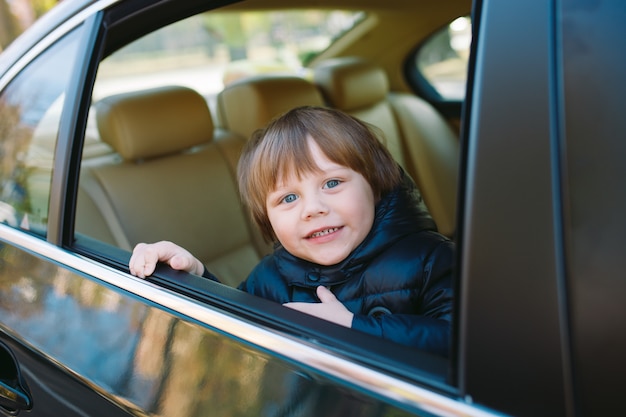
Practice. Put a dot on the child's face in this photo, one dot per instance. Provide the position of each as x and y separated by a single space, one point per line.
323 216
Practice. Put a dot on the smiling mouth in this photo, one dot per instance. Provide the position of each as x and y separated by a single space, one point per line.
323 232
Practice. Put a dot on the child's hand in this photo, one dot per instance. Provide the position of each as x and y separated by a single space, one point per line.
145 257
329 309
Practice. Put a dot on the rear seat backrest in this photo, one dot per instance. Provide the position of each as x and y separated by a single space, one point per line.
174 182
415 133
433 149
357 88
250 103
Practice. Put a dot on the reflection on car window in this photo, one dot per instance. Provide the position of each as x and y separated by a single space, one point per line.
208 51
30 112
442 60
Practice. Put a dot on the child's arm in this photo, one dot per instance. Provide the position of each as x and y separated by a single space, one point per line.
424 333
329 309
145 257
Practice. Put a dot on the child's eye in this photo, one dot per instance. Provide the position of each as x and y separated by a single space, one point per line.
289 198
332 183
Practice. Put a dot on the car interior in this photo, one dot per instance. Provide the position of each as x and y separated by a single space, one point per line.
148 167
142 143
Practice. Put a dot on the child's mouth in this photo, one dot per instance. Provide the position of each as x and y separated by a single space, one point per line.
324 232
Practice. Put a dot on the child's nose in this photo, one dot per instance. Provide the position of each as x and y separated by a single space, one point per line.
314 207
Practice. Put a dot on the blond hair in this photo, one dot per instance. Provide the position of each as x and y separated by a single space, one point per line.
282 149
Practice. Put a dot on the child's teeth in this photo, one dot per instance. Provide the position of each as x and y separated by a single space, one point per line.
324 232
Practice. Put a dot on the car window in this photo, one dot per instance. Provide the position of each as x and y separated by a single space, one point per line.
30 114
441 61
159 163
211 50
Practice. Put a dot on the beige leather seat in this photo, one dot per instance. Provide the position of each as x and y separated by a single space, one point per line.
175 181
250 103
416 135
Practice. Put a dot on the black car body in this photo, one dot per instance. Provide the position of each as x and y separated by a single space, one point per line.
540 230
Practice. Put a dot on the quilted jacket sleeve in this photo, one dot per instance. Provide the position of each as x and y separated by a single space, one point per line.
430 329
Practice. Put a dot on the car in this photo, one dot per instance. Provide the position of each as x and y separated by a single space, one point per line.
121 121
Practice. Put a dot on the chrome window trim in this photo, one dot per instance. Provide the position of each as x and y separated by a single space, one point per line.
51 38
296 350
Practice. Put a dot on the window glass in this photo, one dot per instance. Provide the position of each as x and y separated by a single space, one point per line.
442 60
30 113
210 50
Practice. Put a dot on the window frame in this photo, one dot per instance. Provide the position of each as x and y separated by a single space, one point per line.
70 139
514 360
56 191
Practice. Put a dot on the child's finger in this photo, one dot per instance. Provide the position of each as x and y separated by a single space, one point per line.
325 295
136 263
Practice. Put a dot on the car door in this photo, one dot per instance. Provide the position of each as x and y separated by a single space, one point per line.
80 336
540 271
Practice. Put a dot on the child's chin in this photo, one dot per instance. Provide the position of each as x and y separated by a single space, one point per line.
328 260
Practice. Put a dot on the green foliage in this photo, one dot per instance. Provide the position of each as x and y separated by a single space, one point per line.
42 6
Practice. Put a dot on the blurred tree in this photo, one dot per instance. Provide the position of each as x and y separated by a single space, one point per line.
9 27
228 28
17 15
42 6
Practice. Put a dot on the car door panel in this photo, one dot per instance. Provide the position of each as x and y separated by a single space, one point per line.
510 262
71 329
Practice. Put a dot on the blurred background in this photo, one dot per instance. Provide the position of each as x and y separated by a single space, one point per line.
17 15
209 51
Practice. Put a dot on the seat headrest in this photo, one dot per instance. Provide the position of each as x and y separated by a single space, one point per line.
351 83
155 122
251 103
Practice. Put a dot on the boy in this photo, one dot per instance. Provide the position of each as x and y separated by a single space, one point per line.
355 244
